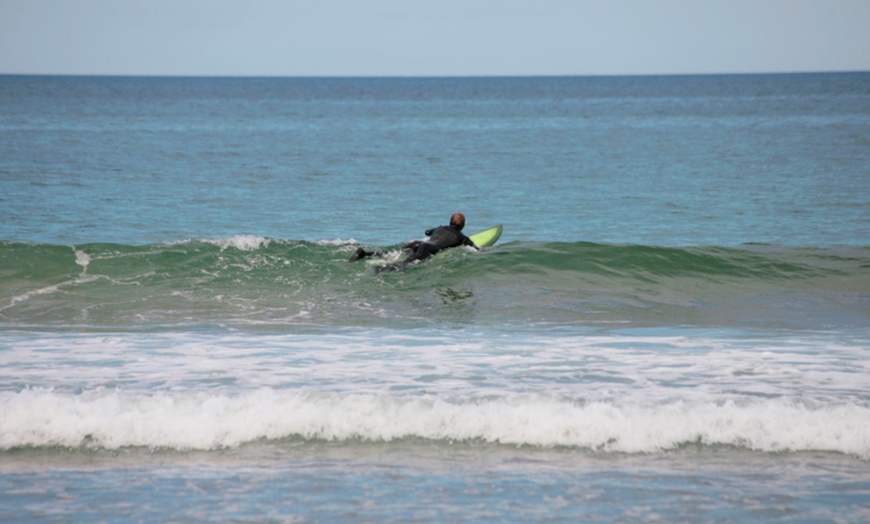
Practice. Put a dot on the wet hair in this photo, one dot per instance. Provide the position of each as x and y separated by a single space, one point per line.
457 221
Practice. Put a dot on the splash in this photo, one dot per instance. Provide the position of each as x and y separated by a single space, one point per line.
201 421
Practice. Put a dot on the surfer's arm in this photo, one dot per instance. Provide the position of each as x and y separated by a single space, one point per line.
470 243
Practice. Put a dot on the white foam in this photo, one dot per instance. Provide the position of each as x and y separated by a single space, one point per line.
240 242
337 242
82 259
596 368
24 297
637 394
205 421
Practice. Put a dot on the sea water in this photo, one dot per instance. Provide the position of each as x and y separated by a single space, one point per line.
674 326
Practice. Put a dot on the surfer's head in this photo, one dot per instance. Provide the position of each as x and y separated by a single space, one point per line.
457 221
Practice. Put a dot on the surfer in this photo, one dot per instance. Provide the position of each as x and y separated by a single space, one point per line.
439 238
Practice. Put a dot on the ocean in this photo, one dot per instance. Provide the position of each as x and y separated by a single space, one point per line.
673 327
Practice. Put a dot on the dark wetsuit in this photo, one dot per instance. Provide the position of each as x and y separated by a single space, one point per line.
439 238
442 237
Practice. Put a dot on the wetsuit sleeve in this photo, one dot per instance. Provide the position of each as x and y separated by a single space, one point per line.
468 242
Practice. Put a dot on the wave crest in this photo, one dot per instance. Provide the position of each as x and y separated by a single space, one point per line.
543 283
201 421
240 242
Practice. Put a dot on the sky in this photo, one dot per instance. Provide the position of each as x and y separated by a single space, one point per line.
432 37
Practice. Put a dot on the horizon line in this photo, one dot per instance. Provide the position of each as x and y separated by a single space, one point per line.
428 76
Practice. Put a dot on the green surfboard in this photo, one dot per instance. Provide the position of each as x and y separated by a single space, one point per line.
486 238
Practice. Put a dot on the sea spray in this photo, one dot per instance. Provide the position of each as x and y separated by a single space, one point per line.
206 421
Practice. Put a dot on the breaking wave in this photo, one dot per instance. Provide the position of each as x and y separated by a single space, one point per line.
256 280
108 419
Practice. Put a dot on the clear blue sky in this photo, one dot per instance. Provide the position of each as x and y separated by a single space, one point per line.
432 37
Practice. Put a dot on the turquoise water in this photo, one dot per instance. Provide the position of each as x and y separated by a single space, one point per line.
683 161
674 325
